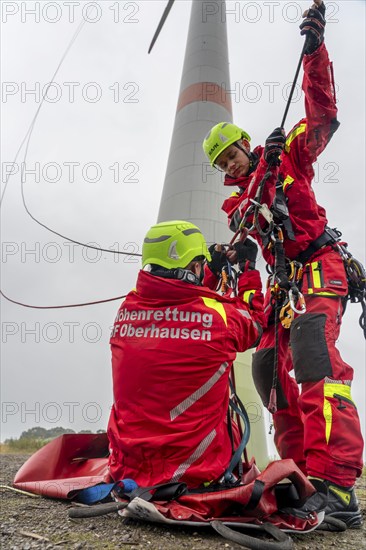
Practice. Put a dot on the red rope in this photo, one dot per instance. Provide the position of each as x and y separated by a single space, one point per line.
64 306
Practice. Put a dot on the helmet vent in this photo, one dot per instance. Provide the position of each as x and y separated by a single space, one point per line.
157 239
190 231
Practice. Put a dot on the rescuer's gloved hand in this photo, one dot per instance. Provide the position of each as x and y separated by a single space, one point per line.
274 146
246 254
313 27
218 258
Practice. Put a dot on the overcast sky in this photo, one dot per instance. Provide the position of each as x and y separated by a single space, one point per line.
96 166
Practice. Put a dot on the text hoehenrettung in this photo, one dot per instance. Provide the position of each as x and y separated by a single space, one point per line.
170 315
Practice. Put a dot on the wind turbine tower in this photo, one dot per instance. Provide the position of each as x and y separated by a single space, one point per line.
192 190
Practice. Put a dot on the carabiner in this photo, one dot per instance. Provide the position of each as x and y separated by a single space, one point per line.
299 299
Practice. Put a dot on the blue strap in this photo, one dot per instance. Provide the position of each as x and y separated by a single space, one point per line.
100 492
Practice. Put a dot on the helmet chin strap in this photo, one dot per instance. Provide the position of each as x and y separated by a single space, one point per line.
181 274
253 159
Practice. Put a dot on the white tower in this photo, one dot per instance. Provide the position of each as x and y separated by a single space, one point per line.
194 191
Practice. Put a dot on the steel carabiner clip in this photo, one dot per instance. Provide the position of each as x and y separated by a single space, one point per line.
299 299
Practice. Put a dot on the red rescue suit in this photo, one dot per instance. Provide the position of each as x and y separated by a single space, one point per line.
320 428
173 345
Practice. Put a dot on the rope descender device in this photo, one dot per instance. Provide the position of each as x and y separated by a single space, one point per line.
295 303
286 315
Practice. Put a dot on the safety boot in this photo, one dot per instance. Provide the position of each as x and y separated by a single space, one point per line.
342 503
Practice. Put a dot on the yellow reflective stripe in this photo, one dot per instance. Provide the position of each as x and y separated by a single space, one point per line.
247 294
288 181
344 495
329 391
316 275
217 306
299 130
327 412
331 294
341 389
234 194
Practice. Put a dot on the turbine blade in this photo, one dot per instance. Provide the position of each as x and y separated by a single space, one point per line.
161 23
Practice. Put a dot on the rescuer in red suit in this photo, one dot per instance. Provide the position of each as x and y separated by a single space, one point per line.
319 428
173 344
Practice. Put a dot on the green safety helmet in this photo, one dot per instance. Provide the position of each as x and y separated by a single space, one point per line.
220 137
173 244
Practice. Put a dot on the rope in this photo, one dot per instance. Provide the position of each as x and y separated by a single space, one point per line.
263 234
272 405
294 82
27 139
63 306
362 319
31 127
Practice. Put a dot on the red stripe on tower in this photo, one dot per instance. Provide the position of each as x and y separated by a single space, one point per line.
205 91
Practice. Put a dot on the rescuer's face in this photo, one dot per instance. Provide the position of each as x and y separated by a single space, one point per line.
233 161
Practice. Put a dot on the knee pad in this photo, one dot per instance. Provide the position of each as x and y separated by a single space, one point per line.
310 354
262 372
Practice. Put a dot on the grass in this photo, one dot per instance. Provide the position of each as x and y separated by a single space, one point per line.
20 446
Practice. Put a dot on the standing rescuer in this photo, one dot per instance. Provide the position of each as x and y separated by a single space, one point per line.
318 428
173 344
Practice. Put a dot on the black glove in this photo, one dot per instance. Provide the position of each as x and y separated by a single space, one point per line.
218 259
313 27
274 146
247 254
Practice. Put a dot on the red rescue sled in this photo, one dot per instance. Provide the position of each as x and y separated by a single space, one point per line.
66 465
